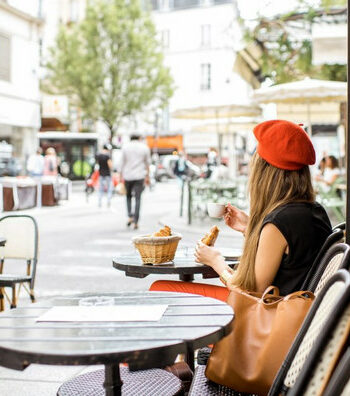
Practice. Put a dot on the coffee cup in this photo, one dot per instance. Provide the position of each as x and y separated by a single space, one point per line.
216 210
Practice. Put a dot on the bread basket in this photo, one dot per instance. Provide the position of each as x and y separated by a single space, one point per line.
156 250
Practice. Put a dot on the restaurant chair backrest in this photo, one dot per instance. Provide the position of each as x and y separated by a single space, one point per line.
322 359
340 226
335 237
337 257
339 384
21 234
330 305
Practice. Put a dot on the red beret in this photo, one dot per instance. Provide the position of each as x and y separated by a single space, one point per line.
284 144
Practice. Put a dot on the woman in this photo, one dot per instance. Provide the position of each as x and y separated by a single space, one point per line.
286 227
331 172
50 162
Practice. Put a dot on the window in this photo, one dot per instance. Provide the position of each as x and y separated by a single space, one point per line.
205 35
165 38
5 57
74 11
205 76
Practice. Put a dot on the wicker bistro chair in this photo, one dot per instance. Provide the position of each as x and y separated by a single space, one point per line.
21 233
337 257
339 384
335 237
323 333
330 309
341 226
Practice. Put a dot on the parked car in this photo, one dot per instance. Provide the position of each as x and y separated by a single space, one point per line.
166 165
165 168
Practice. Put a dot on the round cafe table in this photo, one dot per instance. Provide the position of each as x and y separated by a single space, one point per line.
188 323
183 265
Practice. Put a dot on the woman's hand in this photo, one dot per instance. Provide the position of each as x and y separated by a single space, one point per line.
235 218
209 256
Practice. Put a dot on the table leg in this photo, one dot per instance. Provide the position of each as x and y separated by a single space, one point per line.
113 383
190 358
186 277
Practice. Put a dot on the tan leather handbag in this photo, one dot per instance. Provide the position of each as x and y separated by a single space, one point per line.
262 331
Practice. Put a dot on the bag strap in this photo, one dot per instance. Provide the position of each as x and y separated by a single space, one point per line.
267 295
303 294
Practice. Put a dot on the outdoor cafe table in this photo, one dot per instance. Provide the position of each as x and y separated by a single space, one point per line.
189 322
182 265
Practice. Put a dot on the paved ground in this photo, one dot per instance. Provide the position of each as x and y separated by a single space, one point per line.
77 243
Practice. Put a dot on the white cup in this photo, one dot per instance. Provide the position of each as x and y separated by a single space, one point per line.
216 210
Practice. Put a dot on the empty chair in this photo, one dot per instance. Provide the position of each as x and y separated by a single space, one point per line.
21 233
339 384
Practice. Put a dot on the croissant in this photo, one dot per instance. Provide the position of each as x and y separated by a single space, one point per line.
163 232
210 238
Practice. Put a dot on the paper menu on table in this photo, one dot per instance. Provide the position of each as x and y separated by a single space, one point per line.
109 313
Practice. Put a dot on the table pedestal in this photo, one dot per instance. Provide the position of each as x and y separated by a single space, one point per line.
113 383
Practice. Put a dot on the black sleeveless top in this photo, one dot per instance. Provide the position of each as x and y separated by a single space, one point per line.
305 227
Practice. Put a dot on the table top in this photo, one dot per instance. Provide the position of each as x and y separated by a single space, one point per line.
189 322
183 264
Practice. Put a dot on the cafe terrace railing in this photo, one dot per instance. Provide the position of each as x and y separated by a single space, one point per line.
200 192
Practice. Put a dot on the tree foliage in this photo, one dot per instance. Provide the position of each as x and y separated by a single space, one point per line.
110 64
286 43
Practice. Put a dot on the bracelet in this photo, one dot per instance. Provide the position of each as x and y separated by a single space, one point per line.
226 275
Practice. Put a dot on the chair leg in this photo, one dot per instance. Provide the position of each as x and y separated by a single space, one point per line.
14 297
2 299
32 296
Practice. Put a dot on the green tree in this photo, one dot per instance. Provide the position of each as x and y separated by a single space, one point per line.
286 44
110 64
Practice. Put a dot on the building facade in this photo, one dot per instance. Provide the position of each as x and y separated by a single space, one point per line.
19 75
199 39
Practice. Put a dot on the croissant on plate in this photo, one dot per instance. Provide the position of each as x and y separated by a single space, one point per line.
210 238
163 232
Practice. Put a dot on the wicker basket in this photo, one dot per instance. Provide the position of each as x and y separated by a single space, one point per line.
156 250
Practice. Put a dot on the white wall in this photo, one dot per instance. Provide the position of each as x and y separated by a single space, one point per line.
20 96
186 54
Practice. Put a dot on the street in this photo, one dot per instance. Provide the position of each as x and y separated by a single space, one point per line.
77 241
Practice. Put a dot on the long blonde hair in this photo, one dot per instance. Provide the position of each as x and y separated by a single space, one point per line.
269 187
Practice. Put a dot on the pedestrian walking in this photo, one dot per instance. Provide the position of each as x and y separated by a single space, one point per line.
103 159
35 163
134 170
181 167
51 162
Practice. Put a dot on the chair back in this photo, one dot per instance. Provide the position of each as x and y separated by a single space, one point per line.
337 257
21 233
336 236
328 307
339 384
341 226
321 361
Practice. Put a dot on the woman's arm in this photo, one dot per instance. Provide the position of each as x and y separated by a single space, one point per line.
272 245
